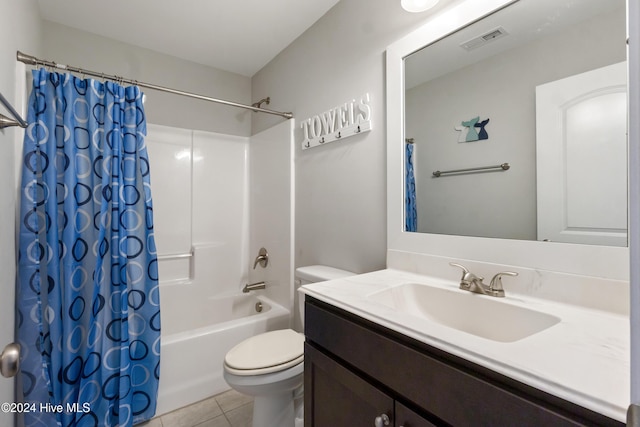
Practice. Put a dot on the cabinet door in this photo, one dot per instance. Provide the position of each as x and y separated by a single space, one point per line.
336 397
405 417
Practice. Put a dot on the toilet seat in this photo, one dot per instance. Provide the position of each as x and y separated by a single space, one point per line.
266 353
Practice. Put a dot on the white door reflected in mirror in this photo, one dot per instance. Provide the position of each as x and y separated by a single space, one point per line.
581 160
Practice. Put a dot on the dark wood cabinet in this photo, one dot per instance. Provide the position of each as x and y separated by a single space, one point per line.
356 371
340 397
407 418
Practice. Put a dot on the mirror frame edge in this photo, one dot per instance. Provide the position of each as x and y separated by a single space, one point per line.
589 260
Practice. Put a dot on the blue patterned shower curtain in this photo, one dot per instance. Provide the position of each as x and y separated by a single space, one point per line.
87 296
410 211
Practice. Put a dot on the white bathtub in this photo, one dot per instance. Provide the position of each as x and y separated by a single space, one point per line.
196 337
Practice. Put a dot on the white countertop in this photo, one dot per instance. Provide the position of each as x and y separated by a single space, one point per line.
583 359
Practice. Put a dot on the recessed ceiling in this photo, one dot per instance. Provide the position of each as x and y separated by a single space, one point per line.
240 36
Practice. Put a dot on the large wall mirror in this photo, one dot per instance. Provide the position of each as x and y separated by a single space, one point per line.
508 122
539 85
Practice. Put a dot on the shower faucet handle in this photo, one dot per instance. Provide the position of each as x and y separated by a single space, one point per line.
262 259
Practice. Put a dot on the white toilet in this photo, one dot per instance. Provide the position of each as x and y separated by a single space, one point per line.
270 366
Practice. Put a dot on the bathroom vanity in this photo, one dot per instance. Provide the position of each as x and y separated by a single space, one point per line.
369 363
356 371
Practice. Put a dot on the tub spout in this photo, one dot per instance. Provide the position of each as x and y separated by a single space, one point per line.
253 286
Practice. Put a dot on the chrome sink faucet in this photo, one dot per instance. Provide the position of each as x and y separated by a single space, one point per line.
472 283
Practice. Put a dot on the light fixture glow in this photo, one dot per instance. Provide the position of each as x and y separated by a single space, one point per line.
418 5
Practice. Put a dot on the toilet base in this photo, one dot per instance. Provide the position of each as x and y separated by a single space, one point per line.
274 411
278 397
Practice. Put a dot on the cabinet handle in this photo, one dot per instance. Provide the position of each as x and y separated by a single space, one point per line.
382 420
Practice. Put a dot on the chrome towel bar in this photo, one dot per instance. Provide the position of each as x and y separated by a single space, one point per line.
504 167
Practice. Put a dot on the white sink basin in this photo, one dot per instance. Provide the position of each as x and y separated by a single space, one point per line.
487 317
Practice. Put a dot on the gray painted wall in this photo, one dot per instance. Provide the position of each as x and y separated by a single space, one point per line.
340 187
67 45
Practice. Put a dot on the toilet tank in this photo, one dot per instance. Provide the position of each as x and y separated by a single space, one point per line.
313 274
320 273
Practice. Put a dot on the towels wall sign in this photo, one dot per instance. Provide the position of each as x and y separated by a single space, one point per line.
343 121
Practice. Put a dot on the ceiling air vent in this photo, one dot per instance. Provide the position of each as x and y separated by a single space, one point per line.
483 39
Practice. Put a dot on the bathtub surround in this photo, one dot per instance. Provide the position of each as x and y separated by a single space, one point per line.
227 197
272 216
194 212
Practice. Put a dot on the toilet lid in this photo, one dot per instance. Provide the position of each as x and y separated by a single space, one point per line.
266 350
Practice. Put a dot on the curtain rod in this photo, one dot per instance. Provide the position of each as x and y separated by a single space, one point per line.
32 60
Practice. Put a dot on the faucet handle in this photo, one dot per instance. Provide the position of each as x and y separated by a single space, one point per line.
467 276
464 269
262 259
496 282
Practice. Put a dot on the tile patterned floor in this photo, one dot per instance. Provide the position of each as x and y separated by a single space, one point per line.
228 409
